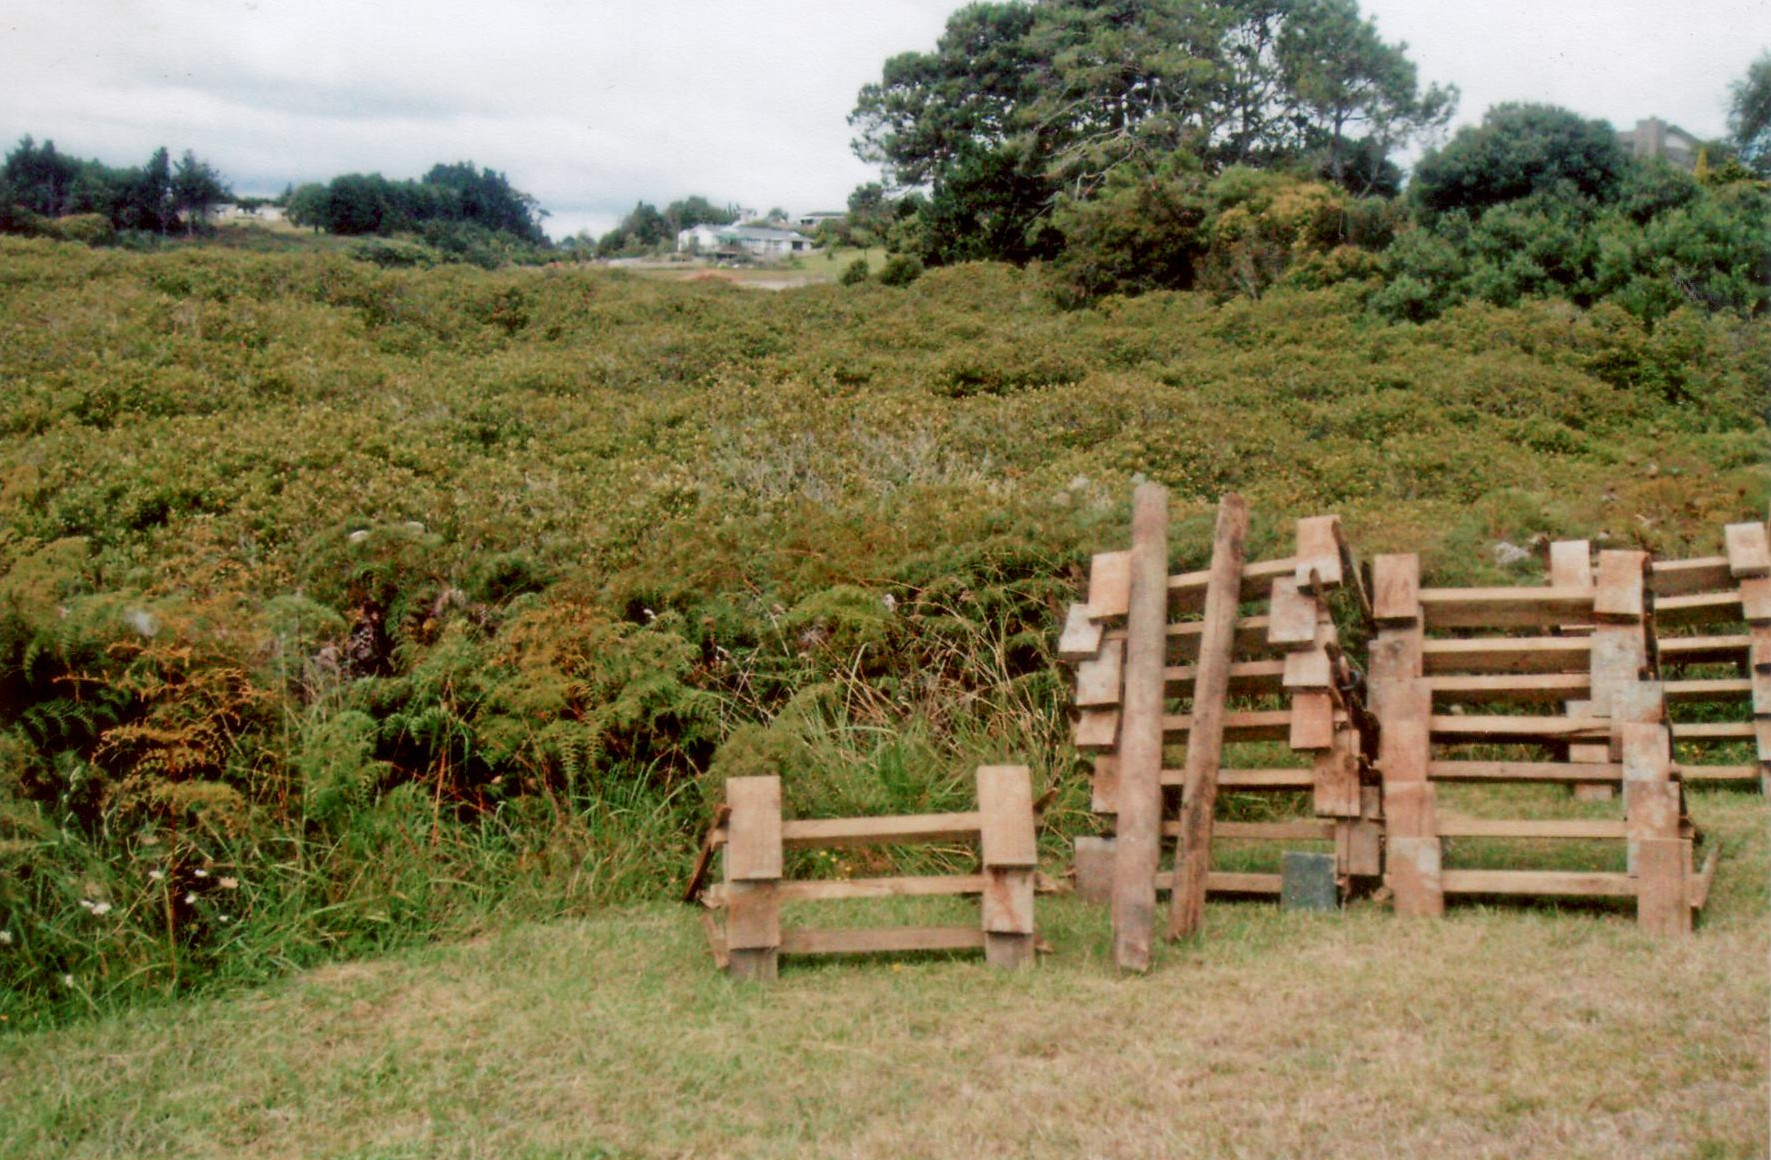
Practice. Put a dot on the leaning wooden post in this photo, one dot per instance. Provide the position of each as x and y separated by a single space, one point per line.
1138 847
1205 740
1010 853
753 876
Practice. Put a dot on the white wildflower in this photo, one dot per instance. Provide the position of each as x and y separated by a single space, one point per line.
157 875
201 873
234 883
101 908
5 938
191 898
67 980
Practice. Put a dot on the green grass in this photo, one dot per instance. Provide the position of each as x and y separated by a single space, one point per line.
1519 1032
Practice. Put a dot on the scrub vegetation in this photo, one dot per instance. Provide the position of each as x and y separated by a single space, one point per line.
343 607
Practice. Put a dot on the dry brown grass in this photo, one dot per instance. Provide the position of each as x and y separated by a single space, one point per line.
1516 1033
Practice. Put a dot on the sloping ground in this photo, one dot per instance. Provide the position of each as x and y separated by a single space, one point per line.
1506 1032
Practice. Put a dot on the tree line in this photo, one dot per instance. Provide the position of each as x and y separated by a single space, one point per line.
357 204
1230 145
37 182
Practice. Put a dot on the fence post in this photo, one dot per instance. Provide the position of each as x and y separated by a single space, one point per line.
753 876
1010 853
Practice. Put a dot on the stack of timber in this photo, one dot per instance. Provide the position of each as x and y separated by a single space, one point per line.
1554 672
753 837
1239 653
1712 622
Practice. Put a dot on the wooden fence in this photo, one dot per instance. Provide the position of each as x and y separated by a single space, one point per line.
1714 614
754 836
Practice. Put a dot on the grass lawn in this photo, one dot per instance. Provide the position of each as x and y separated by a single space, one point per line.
1497 1032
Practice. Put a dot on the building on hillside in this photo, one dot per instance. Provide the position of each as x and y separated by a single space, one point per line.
733 241
1655 138
228 211
811 221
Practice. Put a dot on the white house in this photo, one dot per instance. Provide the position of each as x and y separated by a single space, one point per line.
758 241
1655 138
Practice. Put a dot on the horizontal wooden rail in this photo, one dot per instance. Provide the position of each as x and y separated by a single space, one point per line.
1533 654
1513 688
1699 608
1714 731
1698 774
1697 650
1683 577
1505 607
1229 882
1575 828
1245 677
1711 689
800 940
1473 729
1186 591
1547 772
1558 883
1261 725
832 833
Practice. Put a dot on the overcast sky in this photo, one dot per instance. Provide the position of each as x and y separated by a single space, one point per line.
591 106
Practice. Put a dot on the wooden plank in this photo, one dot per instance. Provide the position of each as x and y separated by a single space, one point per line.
1109 585
1265 779
1416 877
1005 806
1094 870
1097 729
753 842
1187 590
1309 668
1245 676
1098 678
1252 725
1698 608
1512 688
1359 848
1505 607
1205 740
1312 721
1539 654
1468 729
710 843
869 940
894 829
1748 550
1081 638
1755 600
716 941
1620 654
1395 582
849 889
1138 848
1453 826
1525 772
1618 595
1251 637
1302 830
1104 785
1404 745
1709 689
1683 577
1713 731
753 915
1008 900
1228 882
1548 883
1291 616
1571 564
1759 648
1702 650
1335 790
1662 907
1719 774
1411 809
1698 888
1318 554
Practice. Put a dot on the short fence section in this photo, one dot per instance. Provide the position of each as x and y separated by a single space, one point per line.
754 836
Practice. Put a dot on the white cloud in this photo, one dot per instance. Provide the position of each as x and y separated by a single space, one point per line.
591 106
